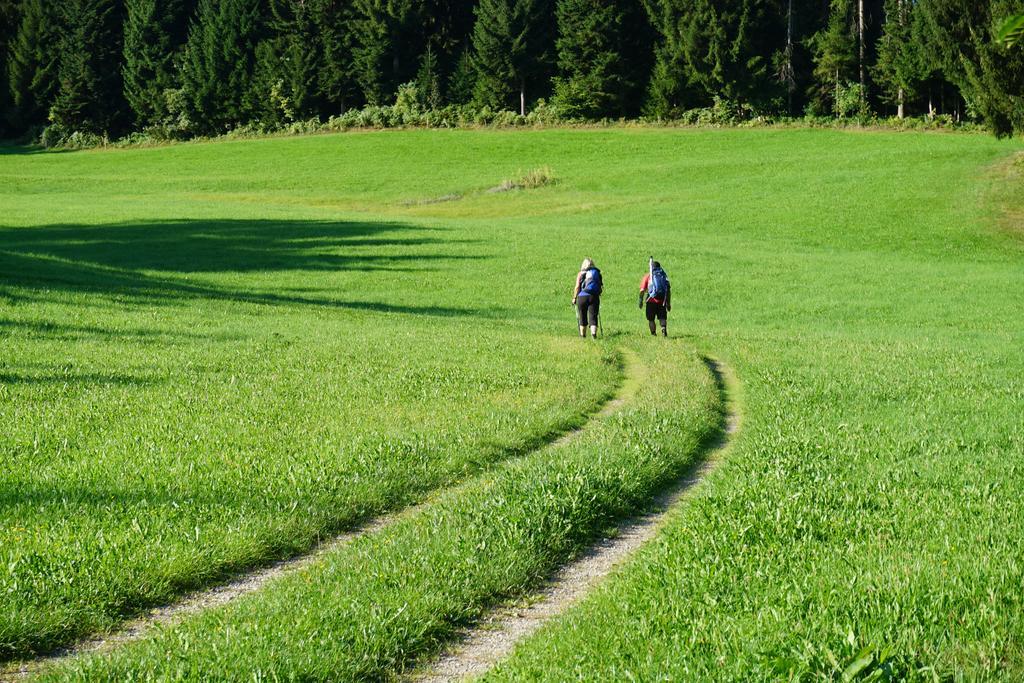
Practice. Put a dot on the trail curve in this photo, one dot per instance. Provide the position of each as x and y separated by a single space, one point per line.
494 639
197 601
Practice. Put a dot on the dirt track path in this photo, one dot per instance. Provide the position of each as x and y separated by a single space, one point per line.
244 584
496 637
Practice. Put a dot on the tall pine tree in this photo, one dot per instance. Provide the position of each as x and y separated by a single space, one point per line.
448 28
512 50
715 48
462 81
33 61
900 66
154 35
218 64
289 63
835 56
337 83
388 42
89 84
990 75
593 79
8 28
89 77
670 90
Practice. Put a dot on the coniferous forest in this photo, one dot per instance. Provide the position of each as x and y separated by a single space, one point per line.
185 68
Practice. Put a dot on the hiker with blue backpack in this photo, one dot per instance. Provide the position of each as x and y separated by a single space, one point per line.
656 292
586 297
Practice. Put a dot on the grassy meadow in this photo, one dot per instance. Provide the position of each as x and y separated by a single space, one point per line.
213 354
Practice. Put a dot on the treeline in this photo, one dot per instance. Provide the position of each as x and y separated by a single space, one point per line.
204 67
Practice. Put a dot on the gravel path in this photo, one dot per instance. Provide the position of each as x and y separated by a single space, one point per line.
494 639
198 601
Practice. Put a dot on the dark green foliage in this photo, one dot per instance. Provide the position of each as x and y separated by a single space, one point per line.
901 69
8 29
89 85
512 48
203 67
33 61
990 75
338 87
154 33
289 63
428 81
463 80
712 49
727 46
218 65
592 80
835 56
448 26
387 45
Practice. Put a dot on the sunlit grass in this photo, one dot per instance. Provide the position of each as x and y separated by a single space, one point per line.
860 285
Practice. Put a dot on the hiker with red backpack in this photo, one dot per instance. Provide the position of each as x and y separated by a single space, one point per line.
586 297
656 292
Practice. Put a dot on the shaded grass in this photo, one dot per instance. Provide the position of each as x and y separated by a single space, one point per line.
169 421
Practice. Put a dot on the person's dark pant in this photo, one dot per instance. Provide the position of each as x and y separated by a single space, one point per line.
658 311
588 307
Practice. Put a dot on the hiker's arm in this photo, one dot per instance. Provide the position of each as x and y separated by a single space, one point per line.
642 297
576 289
668 296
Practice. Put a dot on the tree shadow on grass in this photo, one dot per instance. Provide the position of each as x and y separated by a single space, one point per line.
8 148
75 379
47 329
151 261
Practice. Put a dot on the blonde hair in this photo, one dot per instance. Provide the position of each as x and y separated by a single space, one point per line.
587 264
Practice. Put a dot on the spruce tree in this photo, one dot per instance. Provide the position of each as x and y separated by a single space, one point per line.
900 68
8 28
33 60
715 48
512 47
728 47
428 81
448 27
337 82
462 81
990 75
388 41
670 92
154 34
89 86
289 63
835 56
593 81
218 64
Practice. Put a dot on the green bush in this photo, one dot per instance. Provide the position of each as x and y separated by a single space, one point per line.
52 136
56 136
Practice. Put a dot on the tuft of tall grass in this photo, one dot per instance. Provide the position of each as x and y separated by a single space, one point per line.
538 177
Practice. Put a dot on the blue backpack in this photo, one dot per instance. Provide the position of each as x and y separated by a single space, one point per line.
592 283
657 288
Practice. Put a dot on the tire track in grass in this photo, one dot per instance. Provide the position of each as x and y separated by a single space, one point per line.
198 601
495 637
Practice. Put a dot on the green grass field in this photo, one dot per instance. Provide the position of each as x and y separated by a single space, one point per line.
213 354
